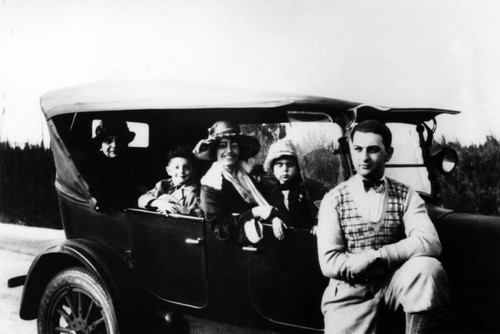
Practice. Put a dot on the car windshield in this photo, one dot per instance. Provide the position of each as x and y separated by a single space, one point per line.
407 163
315 143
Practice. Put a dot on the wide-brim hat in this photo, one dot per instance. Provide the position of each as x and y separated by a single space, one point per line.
282 148
249 145
111 127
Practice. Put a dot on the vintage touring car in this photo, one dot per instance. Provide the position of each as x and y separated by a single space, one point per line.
135 270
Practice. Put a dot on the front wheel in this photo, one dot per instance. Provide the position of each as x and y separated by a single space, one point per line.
76 302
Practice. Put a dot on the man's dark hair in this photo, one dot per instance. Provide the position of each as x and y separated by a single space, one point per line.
183 151
377 127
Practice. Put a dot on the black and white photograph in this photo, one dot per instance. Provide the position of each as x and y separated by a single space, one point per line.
249 166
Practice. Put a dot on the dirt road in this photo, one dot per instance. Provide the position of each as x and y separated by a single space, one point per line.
18 247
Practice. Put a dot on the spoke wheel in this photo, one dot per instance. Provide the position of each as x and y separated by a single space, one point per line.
76 302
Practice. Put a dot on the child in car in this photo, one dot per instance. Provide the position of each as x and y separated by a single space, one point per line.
179 193
285 191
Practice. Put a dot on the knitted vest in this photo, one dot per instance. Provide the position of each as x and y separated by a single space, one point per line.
361 234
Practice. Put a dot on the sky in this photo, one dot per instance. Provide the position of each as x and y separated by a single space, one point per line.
394 53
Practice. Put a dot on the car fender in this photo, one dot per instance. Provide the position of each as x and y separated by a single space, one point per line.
127 294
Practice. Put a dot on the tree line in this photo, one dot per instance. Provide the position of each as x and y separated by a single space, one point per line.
27 193
28 196
474 186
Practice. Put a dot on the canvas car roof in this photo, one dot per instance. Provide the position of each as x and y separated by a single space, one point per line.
164 95
122 96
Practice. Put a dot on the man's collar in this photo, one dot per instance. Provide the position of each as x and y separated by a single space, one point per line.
378 186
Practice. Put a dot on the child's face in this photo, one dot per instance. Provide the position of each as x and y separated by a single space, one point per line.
180 170
285 170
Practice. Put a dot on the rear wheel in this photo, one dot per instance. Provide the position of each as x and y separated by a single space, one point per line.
76 302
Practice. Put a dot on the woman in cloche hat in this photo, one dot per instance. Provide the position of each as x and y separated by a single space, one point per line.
112 180
112 137
227 188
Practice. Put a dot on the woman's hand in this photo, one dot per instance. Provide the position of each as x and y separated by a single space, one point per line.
279 228
262 212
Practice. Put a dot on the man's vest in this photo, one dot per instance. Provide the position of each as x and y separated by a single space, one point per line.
360 233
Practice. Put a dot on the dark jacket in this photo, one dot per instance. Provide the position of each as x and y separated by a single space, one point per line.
297 214
301 211
113 182
219 206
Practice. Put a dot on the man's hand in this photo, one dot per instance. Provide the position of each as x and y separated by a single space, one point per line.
358 265
279 228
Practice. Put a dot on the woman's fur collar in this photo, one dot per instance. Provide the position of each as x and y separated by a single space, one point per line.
213 177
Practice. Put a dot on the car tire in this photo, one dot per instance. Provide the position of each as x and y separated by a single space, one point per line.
75 301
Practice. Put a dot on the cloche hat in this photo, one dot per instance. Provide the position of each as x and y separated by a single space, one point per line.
281 148
249 145
113 127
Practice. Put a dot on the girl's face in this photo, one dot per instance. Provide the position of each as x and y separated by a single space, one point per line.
112 146
180 170
285 169
228 152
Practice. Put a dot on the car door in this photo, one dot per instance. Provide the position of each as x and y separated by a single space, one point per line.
285 281
168 254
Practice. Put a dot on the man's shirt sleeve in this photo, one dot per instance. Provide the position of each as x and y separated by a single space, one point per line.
421 236
331 243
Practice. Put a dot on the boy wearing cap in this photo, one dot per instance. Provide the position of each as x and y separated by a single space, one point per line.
179 193
377 244
286 190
